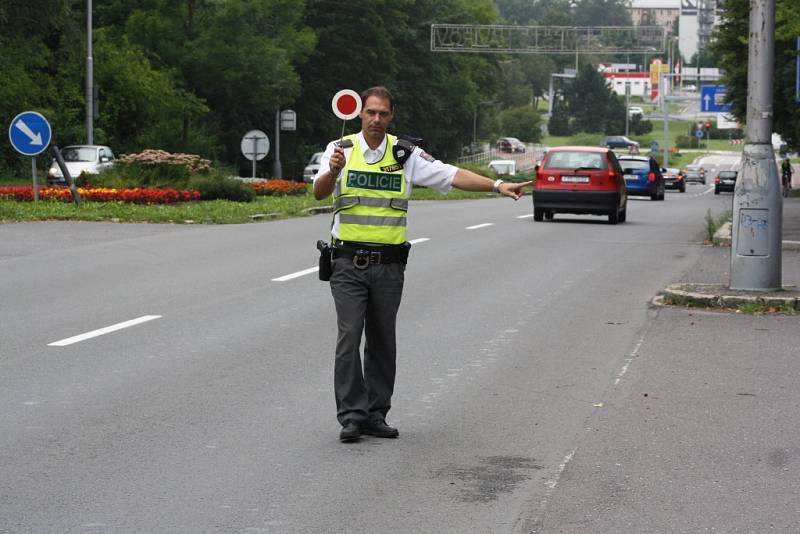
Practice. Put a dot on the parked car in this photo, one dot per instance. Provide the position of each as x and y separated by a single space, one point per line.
673 179
642 176
582 180
510 144
725 181
619 141
694 173
89 159
635 110
312 167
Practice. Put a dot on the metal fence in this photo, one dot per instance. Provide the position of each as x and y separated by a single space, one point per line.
525 160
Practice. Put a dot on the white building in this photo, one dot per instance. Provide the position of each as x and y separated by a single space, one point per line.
690 14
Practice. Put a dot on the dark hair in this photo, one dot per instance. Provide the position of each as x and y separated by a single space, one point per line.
381 92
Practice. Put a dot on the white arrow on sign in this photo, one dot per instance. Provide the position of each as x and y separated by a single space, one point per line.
705 101
36 139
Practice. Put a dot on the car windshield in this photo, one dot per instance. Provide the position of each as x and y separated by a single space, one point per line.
79 154
727 174
634 164
316 158
575 160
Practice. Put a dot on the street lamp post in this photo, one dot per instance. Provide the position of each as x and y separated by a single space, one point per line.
89 77
475 120
757 224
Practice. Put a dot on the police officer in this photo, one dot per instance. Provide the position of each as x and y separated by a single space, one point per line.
370 175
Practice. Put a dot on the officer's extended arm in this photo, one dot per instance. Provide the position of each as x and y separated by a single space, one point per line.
470 181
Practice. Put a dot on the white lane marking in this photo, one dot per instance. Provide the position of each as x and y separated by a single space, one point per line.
298 274
552 482
525 216
484 225
101 331
311 270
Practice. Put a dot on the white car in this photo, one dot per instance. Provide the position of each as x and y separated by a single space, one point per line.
89 159
635 110
313 166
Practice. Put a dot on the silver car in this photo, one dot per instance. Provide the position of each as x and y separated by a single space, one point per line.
313 166
89 159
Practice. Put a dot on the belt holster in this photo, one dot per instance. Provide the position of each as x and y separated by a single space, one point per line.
325 266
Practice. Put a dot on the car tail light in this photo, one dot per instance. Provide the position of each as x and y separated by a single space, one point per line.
717 180
612 174
680 177
651 177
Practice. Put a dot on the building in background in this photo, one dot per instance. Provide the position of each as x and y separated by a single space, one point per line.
695 20
656 13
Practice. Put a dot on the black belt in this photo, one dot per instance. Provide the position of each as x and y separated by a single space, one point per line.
364 255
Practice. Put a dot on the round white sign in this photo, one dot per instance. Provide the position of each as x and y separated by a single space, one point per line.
346 104
255 145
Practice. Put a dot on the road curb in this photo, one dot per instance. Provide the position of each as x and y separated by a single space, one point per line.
722 238
318 209
723 297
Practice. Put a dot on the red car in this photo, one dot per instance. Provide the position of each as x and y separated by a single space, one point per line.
582 180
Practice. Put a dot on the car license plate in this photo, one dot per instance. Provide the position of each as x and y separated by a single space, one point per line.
575 179
630 177
728 182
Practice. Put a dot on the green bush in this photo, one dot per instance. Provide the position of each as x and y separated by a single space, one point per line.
222 188
639 126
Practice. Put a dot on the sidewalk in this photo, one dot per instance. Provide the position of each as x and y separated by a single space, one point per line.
717 294
701 432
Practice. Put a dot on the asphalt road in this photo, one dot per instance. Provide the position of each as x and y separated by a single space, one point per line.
215 413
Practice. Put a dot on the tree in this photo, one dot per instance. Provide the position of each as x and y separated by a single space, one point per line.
730 45
559 119
523 123
593 106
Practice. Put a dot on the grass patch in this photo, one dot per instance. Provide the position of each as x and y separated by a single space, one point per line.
712 224
759 308
206 212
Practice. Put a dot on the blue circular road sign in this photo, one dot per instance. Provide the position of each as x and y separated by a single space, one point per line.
699 134
29 133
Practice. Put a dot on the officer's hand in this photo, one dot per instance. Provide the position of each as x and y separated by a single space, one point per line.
513 190
337 161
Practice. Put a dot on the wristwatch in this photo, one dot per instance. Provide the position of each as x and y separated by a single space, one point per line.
496 186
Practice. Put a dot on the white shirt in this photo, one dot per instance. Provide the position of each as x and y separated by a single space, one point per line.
420 169
417 169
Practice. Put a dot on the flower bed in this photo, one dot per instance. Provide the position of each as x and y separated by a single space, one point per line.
151 157
278 187
103 194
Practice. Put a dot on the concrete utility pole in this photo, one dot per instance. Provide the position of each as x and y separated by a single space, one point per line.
757 224
89 77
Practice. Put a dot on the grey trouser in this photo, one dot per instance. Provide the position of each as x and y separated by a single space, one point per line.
366 300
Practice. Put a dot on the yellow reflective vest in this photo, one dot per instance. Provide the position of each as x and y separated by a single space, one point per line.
371 199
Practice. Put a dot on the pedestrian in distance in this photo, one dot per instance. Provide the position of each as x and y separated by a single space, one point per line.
786 177
370 175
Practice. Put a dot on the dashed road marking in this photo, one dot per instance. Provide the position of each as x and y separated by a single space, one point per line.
102 331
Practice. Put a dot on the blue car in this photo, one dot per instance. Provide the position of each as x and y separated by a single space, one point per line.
642 177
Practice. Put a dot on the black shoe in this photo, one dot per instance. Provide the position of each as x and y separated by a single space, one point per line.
350 432
380 429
